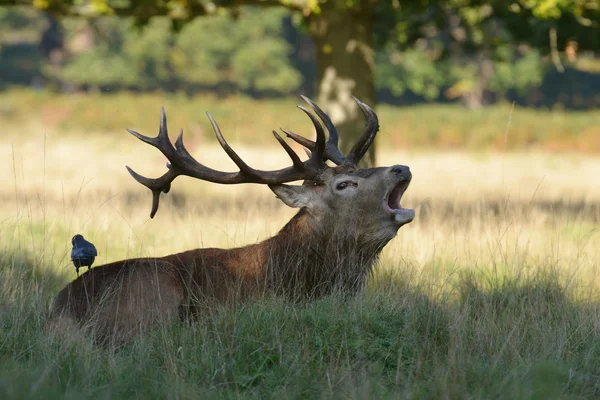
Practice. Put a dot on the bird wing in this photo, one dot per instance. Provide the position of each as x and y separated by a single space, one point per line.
91 250
84 251
78 252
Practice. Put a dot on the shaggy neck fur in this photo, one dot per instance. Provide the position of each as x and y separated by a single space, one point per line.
308 259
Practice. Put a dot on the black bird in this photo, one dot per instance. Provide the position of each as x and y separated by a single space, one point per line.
83 253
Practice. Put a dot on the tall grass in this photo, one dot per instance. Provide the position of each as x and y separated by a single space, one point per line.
492 292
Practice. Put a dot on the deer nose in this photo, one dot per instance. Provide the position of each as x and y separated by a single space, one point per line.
402 171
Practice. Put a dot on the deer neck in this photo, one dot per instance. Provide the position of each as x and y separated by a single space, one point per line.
310 259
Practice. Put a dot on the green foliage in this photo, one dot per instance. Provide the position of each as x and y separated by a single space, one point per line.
20 33
211 51
435 50
426 73
530 21
409 70
518 74
250 52
474 48
120 56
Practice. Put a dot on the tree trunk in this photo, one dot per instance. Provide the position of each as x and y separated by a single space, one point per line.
345 64
479 95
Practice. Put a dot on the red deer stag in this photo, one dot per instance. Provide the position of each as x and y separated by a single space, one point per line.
347 215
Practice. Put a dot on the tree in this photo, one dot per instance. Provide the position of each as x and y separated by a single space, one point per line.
210 53
474 46
347 32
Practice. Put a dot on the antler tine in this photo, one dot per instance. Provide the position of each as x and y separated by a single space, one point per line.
295 159
333 133
161 141
244 168
372 126
332 151
179 146
158 185
307 143
318 152
182 163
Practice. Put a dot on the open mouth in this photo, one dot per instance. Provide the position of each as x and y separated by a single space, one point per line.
393 205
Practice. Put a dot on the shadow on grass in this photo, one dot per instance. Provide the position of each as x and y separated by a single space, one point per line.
26 286
518 338
584 210
427 210
20 269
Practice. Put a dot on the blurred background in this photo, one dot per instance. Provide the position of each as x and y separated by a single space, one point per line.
473 56
430 61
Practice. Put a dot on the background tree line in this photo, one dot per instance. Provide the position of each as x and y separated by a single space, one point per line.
268 52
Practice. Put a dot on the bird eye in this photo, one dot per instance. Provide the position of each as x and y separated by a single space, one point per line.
342 185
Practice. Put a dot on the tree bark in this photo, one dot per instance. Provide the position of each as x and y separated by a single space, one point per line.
479 95
345 65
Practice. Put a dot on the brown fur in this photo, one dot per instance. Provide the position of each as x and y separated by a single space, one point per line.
330 245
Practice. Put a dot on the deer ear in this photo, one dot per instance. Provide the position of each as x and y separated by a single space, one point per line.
292 195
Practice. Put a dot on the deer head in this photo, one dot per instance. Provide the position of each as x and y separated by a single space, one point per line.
361 202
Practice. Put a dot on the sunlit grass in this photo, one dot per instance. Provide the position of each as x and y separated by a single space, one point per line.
251 121
472 209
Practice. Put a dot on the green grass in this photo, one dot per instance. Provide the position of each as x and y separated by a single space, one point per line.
513 339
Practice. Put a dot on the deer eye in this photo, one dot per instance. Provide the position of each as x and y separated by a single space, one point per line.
343 185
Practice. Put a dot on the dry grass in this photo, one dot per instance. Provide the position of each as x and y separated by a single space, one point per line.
250 121
491 290
472 208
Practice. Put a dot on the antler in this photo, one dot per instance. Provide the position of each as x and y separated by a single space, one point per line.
182 162
331 149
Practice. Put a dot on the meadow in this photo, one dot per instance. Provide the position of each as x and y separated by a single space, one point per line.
492 292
